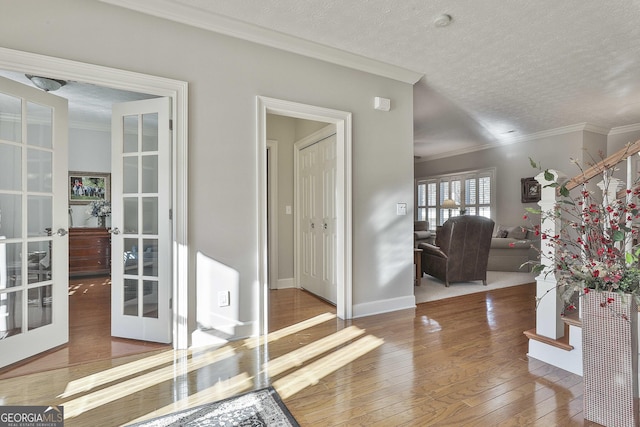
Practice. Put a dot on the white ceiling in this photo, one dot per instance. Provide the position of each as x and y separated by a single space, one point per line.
500 72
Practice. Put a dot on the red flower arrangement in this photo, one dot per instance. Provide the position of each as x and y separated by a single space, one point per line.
595 247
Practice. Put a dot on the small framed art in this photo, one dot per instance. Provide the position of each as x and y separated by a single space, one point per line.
85 187
530 189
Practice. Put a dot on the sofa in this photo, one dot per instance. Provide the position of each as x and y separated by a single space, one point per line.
421 233
512 246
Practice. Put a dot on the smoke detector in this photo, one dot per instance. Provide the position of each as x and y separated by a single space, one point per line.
443 20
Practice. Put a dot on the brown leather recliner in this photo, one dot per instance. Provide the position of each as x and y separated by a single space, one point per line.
462 253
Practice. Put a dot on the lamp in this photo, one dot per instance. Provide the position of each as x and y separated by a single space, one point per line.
449 204
45 83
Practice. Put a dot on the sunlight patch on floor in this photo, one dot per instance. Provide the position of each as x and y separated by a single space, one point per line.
298 357
220 390
276 335
314 372
114 374
77 406
339 349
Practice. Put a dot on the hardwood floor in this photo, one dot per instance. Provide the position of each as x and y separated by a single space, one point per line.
455 362
89 332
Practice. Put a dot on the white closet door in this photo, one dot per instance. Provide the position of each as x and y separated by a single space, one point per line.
317 195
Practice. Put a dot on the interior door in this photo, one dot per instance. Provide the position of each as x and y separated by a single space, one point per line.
317 195
141 221
33 222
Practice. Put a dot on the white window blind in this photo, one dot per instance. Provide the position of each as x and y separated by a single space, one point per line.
472 191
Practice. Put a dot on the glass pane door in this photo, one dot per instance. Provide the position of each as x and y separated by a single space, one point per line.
33 222
141 248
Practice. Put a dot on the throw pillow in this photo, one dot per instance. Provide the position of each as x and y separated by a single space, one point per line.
502 234
517 233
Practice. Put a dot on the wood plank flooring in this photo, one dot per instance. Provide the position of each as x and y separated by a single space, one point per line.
455 362
89 332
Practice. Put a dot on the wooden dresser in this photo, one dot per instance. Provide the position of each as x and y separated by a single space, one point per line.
89 251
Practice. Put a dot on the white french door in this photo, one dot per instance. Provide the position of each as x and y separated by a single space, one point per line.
141 223
317 218
33 222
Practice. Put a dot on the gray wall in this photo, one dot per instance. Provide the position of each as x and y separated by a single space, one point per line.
512 163
225 76
618 139
89 151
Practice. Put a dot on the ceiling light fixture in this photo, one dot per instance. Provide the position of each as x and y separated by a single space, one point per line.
443 20
45 83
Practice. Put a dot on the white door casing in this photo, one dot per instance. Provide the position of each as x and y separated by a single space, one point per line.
33 222
141 224
343 268
316 213
272 214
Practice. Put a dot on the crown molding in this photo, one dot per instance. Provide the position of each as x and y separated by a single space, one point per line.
624 129
187 15
580 127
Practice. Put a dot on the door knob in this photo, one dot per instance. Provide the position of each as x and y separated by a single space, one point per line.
62 232
114 230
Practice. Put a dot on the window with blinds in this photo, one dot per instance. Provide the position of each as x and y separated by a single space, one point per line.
471 192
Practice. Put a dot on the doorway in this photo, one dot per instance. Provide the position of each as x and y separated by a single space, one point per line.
343 257
176 91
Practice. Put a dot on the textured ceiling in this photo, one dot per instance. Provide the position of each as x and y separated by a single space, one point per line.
500 71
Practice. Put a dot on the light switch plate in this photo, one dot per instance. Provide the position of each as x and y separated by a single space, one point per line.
401 209
223 298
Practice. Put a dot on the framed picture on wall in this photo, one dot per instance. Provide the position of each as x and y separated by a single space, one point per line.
85 187
530 189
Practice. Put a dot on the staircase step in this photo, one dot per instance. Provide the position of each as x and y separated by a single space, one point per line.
561 343
572 319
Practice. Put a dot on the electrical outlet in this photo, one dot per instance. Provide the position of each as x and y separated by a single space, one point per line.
223 298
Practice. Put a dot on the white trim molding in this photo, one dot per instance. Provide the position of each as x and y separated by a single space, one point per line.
624 129
580 127
384 306
344 257
273 204
184 14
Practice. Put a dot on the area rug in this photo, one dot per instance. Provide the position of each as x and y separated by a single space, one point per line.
432 289
256 408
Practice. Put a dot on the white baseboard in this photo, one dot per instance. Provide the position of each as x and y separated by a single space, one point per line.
286 283
384 306
568 360
222 334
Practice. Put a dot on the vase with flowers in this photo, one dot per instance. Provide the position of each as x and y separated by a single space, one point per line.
100 209
594 260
